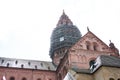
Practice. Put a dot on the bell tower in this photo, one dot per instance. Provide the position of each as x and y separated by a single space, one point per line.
63 37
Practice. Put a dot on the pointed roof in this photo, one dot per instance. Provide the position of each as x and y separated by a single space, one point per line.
64 20
89 36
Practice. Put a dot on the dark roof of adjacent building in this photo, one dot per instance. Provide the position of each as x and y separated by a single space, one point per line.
81 70
103 60
112 61
26 64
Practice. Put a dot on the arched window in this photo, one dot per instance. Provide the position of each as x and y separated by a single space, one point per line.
39 79
87 45
95 46
91 62
111 79
12 78
24 78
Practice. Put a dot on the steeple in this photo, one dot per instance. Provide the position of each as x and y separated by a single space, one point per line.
64 20
63 37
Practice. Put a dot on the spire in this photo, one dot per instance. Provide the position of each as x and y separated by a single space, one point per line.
63 12
64 20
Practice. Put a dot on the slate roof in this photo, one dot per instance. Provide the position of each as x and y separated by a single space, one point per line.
81 70
26 64
110 61
103 60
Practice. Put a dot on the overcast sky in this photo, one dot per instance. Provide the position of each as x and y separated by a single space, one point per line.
26 25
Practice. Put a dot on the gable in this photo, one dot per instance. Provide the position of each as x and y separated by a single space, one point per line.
91 42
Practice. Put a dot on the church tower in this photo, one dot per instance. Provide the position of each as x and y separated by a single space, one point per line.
63 37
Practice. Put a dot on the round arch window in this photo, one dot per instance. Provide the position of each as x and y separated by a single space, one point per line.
91 62
39 79
24 78
12 78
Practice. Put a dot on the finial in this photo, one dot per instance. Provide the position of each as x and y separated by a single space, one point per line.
111 44
110 41
64 20
88 29
63 11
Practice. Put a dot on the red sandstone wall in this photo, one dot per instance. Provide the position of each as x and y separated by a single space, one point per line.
18 74
81 58
86 49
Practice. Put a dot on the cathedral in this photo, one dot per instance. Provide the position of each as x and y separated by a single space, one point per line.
74 57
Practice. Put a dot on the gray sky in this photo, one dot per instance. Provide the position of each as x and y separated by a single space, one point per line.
26 25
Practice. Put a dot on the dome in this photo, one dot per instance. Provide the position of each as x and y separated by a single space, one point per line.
64 35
